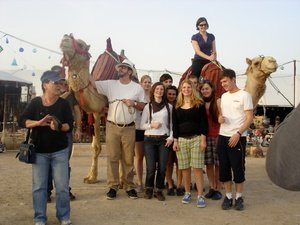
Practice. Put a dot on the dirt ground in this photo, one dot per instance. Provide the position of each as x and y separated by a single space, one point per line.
265 203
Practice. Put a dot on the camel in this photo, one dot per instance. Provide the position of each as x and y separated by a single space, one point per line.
259 69
77 58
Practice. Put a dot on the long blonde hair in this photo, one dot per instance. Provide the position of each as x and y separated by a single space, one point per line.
195 101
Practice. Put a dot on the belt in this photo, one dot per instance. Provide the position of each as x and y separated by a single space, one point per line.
190 137
156 136
122 125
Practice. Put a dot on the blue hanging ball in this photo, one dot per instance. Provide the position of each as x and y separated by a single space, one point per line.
33 74
21 49
7 41
34 50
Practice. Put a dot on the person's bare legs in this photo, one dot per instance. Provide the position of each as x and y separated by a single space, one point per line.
198 172
139 159
210 170
169 171
186 174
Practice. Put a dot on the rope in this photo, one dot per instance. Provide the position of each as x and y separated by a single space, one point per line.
131 112
278 91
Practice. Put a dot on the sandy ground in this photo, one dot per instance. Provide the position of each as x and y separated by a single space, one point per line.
265 203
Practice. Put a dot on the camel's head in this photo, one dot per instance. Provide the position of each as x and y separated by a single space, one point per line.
74 50
261 66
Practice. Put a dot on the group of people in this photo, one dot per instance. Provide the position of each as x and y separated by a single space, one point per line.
188 126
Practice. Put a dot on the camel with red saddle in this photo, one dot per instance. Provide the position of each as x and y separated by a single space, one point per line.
259 69
77 58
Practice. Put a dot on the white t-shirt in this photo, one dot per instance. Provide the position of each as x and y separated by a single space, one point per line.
233 107
115 91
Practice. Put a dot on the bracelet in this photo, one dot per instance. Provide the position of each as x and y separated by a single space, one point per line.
239 133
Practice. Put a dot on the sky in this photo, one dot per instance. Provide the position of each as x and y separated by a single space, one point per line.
155 35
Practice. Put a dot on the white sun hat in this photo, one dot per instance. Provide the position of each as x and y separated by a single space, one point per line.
127 63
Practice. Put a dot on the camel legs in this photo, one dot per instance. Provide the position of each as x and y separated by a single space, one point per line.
91 178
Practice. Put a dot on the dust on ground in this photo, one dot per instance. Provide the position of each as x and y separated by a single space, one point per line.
265 203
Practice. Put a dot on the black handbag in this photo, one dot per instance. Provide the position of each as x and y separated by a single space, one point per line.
26 152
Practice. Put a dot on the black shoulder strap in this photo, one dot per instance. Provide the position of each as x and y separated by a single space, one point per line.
150 112
27 136
169 116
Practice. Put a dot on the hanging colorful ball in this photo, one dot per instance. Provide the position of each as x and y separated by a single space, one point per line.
7 41
34 50
33 74
21 49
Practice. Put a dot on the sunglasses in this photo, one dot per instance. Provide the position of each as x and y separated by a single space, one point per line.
203 25
57 82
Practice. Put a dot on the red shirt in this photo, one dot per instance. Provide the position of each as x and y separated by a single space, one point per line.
213 127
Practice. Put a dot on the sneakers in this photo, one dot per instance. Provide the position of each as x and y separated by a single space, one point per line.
201 202
210 193
39 223
72 197
132 194
139 189
227 203
66 222
111 194
180 191
148 193
216 195
239 204
187 198
160 196
171 192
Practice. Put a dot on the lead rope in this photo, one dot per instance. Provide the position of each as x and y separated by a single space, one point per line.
131 111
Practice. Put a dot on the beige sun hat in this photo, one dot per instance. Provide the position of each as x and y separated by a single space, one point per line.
127 63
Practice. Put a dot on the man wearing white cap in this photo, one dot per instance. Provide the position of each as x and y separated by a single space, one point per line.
124 97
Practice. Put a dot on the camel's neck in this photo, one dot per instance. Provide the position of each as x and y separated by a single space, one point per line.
78 76
79 66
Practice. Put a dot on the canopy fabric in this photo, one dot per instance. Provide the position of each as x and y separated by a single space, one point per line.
4 76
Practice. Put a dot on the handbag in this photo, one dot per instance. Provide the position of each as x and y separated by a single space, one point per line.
26 152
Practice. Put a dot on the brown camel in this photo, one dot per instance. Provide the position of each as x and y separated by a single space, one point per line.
77 59
259 69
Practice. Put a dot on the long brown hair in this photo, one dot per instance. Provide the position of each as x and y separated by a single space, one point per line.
213 107
195 101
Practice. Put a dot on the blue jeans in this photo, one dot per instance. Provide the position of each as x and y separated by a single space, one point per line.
50 178
156 154
59 163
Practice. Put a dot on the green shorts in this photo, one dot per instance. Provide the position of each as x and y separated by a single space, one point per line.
189 154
